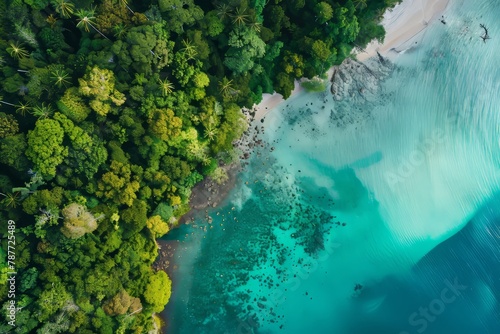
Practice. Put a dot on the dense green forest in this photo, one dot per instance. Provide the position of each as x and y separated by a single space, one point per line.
111 111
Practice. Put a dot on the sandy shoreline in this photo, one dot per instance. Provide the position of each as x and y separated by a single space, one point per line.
402 24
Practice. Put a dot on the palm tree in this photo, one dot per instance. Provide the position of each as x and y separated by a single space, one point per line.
255 25
210 132
16 50
10 200
60 78
85 18
239 16
189 49
120 30
223 11
22 108
226 88
64 7
43 111
166 87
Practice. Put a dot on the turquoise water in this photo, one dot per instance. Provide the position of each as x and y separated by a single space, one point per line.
367 215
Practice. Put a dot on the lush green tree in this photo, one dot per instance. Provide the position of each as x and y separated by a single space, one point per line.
99 85
72 105
118 184
245 47
180 13
135 217
51 300
45 146
324 11
28 279
145 47
109 16
213 25
16 50
164 124
158 291
157 226
86 153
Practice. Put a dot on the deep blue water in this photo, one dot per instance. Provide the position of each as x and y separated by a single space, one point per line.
370 215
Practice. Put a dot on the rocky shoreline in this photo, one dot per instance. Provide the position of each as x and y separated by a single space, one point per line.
210 194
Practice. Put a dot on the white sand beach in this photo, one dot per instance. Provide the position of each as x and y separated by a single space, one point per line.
402 24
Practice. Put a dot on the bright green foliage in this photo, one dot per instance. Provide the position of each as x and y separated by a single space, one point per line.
45 147
51 300
158 291
157 226
323 11
293 64
60 78
157 181
219 175
77 221
87 153
99 85
71 104
201 80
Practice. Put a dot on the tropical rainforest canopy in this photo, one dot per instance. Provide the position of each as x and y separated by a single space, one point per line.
111 111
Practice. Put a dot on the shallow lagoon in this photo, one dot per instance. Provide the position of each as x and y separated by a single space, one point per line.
355 216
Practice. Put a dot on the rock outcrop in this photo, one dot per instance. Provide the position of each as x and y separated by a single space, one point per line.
356 81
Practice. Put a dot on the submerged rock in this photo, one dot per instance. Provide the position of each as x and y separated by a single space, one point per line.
356 88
